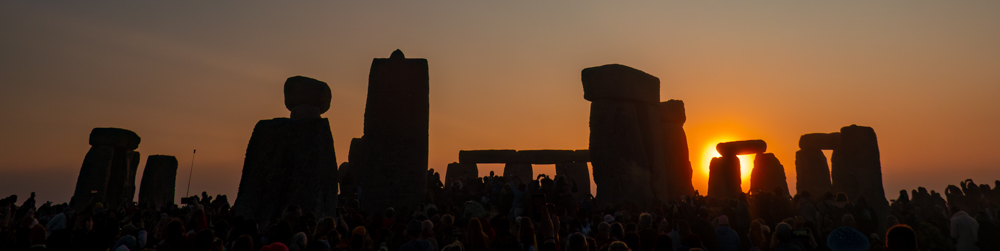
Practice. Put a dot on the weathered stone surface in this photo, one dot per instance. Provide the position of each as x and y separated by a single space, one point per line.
582 155
306 97
349 173
576 173
820 141
857 168
92 184
812 173
129 192
460 171
522 171
288 162
675 181
768 174
114 137
724 177
547 156
619 82
672 111
617 153
396 129
741 147
117 190
487 156
158 181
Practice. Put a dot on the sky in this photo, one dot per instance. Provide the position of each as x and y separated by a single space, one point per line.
190 75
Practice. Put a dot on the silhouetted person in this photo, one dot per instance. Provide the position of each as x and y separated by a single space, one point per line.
964 231
416 243
900 238
726 238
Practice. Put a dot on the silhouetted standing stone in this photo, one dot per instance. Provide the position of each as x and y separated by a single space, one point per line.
742 147
107 168
92 184
289 162
857 168
675 180
460 171
349 173
396 133
623 115
812 172
768 174
158 180
724 177
522 171
576 173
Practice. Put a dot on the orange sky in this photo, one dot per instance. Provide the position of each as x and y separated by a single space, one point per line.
503 75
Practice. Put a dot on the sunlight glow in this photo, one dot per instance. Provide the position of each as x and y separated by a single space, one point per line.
746 161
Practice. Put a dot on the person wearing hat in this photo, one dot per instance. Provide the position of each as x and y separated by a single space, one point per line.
726 238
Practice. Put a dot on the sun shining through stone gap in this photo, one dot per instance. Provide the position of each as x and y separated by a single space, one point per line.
746 162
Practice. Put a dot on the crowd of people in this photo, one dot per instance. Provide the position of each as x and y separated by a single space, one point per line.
544 214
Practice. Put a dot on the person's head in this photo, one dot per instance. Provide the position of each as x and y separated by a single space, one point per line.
603 230
577 242
299 241
663 242
723 220
847 220
617 230
618 246
900 237
414 229
847 239
783 232
243 243
645 220
428 228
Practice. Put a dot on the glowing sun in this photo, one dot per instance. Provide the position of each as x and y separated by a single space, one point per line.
746 161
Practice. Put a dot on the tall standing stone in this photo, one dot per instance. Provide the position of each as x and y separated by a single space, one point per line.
158 181
675 180
623 115
768 174
104 176
857 168
724 177
396 133
291 161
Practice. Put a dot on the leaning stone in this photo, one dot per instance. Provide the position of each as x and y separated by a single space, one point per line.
92 183
158 181
114 137
724 177
820 141
767 175
677 178
741 147
487 156
619 82
396 129
306 97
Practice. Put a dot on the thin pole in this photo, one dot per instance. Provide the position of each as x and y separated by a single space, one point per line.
188 193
